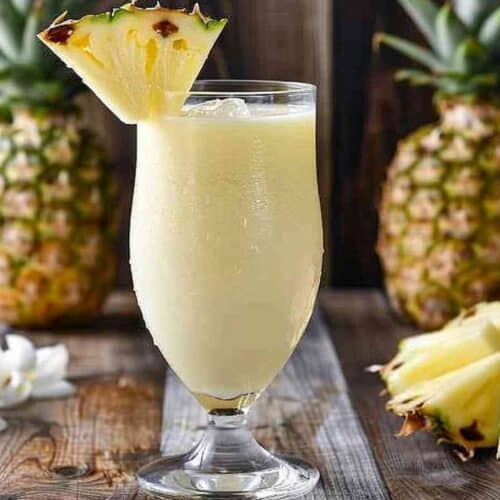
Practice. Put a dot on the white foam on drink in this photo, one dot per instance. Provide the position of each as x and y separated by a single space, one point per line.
220 108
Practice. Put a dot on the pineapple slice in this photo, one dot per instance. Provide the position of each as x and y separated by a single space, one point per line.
134 58
469 320
428 356
490 310
423 341
462 406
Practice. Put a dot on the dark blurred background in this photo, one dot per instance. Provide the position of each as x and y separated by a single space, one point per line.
362 111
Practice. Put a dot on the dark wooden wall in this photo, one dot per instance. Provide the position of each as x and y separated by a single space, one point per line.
362 112
371 113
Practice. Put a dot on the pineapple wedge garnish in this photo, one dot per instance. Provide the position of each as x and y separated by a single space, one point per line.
448 382
140 62
461 407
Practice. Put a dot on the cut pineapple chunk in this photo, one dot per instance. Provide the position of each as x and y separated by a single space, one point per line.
448 382
462 406
489 310
140 62
428 356
421 342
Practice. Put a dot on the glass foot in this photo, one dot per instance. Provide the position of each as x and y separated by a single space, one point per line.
173 477
228 463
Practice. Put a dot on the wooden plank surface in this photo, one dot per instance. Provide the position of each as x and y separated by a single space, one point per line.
90 445
306 412
365 333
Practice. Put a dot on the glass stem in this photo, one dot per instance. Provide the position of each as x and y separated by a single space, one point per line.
229 463
228 445
227 419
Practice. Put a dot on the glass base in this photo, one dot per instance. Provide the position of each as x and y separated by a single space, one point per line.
173 477
228 463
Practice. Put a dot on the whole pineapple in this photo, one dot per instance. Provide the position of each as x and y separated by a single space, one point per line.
439 238
57 192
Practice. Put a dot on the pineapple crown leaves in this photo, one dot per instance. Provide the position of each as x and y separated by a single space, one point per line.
463 57
29 73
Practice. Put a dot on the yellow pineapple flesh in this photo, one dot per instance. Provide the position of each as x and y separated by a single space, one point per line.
437 356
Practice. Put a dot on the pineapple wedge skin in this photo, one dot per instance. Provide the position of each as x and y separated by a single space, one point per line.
462 406
140 62
440 353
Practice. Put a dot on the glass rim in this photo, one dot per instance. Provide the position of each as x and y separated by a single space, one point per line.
282 88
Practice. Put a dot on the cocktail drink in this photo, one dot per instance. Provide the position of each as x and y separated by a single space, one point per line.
226 235
226 249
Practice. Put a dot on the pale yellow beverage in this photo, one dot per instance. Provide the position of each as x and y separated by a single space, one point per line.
226 245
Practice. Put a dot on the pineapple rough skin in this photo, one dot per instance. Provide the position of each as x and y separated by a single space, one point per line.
58 220
439 239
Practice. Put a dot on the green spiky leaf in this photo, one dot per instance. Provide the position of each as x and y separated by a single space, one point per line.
76 8
453 84
30 52
485 80
29 72
411 50
465 42
423 13
470 57
22 6
4 65
473 12
415 77
11 29
450 32
489 35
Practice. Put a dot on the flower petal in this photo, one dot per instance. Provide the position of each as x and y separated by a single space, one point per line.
3 424
20 355
55 389
14 389
51 364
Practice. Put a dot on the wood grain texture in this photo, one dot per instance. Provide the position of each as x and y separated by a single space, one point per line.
90 445
415 468
306 412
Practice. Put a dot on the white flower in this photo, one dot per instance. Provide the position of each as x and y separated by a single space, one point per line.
16 362
3 424
25 372
19 356
15 388
50 371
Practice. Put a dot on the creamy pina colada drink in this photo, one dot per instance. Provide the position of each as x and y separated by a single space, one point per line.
226 240
226 244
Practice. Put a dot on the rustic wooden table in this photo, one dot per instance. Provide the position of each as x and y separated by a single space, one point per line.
330 412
